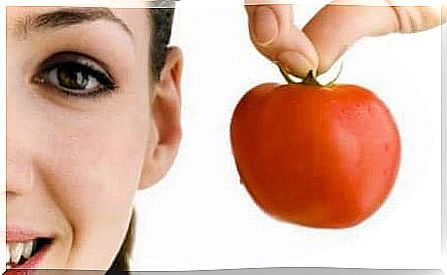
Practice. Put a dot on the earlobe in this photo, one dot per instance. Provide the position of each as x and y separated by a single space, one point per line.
165 131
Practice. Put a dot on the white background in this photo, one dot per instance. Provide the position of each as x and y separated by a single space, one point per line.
200 217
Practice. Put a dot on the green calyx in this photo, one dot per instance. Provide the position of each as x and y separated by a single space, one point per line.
310 79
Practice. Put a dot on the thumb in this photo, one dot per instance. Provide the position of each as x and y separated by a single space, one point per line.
274 34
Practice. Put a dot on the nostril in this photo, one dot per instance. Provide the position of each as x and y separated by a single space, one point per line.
20 167
18 181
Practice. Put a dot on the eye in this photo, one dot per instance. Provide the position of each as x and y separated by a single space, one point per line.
75 75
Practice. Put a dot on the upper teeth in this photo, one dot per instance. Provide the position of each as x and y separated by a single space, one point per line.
15 251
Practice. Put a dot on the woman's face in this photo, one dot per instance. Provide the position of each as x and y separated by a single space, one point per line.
82 131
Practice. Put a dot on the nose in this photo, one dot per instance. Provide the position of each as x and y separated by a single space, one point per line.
19 168
21 125
19 145
19 171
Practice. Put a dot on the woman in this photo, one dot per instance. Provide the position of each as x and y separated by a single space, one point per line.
89 122
93 105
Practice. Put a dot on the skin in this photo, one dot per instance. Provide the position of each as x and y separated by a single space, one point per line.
333 30
74 164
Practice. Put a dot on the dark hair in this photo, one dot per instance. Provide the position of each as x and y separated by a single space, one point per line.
161 33
121 262
161 19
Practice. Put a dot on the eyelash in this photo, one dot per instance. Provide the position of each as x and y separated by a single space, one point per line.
86 66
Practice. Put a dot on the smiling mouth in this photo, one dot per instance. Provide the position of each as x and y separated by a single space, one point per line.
25 254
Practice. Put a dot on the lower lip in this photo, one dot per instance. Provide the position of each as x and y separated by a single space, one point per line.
31 263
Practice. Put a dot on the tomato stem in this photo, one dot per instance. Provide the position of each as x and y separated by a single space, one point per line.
310 79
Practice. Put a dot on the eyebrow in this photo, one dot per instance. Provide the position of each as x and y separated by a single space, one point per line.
65 17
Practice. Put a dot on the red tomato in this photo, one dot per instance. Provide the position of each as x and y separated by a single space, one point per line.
315 156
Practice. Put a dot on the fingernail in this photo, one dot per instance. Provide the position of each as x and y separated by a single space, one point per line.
295 63
265 26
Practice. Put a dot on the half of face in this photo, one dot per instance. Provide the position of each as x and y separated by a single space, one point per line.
86 127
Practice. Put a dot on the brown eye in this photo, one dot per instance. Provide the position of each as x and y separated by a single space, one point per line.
72 77
75 75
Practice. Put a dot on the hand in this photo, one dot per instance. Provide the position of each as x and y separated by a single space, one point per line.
331 31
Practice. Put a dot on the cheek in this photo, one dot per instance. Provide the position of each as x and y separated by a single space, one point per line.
96 165
91 162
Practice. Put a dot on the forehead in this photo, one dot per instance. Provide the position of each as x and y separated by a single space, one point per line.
22 20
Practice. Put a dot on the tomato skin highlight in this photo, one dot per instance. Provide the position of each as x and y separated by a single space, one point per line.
315 156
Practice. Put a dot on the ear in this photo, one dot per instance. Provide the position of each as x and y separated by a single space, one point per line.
165 131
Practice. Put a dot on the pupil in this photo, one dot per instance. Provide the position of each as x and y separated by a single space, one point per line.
72 78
